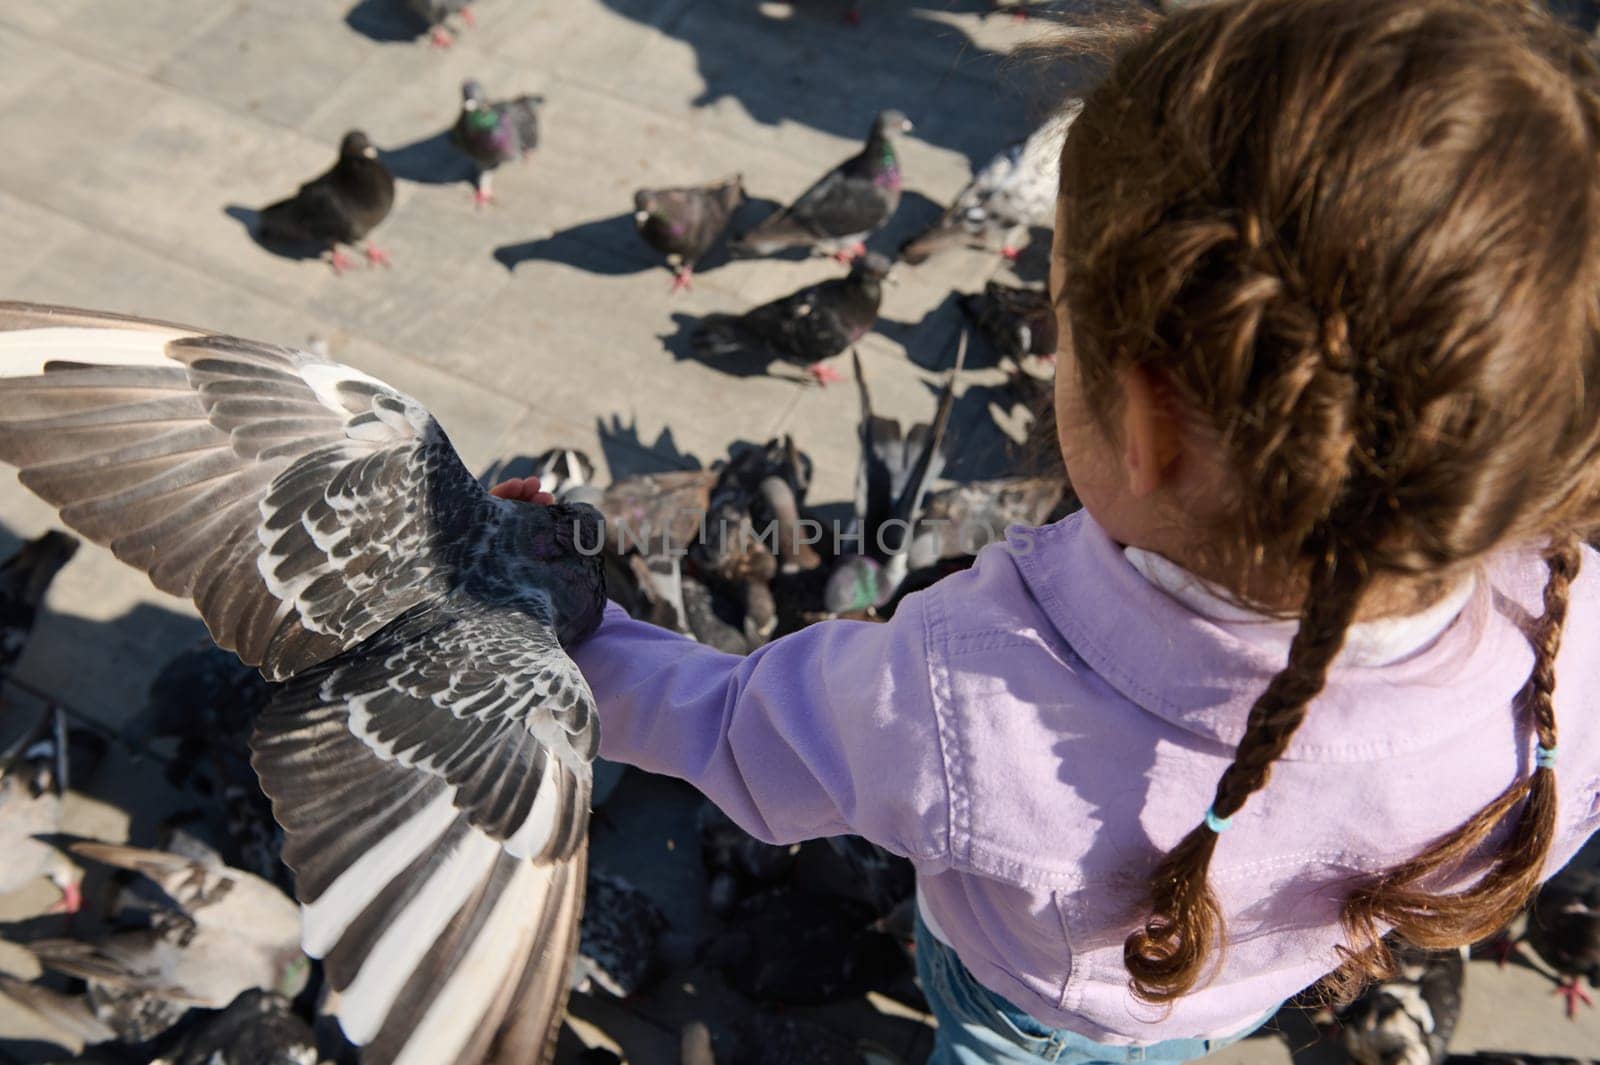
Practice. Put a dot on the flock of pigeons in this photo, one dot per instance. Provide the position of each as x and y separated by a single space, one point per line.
387 760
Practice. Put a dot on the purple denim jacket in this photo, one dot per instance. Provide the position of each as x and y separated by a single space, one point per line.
1033 732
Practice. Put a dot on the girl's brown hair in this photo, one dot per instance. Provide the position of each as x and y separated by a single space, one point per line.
1357 242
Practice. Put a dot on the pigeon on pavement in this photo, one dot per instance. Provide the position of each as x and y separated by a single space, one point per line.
850 203
436 13
685 223
1409 1018
215 933
258 1028
339 207
1016 320
1015 191
494 133
805 327
428 751
1564 930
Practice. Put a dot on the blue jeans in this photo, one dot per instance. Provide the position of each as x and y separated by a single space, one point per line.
978 1027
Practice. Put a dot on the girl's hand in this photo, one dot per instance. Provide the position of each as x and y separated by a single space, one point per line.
522 490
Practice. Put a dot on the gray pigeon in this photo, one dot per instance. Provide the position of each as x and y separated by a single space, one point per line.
494 133
1016 320
33 778
617 937
258 1028
1408 1019
898 466
1015 191
684 223
216 933
436 13
428 752
1564 930
804 327
24 579
959 520
850 203
339 207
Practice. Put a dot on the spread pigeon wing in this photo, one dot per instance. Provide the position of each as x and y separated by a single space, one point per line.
432 786
428 758
277 489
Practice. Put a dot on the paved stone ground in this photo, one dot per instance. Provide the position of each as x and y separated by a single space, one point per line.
139 137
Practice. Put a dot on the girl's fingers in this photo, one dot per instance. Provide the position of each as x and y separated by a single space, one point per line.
522 490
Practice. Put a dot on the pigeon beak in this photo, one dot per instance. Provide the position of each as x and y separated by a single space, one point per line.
906 126
641 217
370 152
469 104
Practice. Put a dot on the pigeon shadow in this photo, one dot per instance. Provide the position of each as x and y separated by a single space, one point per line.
914 215
745 362
606 246
432 160
384 21
627 454
976 448
930 342
250 218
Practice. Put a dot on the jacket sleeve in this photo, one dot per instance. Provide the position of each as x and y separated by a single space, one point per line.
828 731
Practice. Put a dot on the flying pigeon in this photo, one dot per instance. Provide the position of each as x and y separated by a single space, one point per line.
339 207
216 933
428 751
850 203
1564 930
1408 1019
258 1028
436 13
494 133
805 327
1017 320
897 468
685 223
24 579
34 776
1016 190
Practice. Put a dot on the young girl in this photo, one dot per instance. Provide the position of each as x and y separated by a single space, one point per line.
1329 284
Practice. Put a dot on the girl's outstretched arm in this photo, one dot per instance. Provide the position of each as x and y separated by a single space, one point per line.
827 731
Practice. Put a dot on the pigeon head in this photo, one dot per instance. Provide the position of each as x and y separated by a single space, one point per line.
856 583
356 146
892 123
471 95
644 205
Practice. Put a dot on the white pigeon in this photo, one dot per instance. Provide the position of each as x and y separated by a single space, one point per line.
1015 191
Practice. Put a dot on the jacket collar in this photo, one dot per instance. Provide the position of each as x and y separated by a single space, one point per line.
1203 674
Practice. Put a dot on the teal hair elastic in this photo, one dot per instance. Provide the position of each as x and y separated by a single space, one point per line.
1544 757
1219 825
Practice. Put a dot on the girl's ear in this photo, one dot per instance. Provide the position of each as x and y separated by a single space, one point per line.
1151 437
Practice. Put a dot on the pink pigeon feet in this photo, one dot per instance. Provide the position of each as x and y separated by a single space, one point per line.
481 198
1571 988
468 17
1010 255
376 256
522 490
339 261
682 281
825 374
850 254
71 900
441 38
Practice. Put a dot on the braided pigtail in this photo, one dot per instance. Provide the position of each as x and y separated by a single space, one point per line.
1400 899
1167 956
